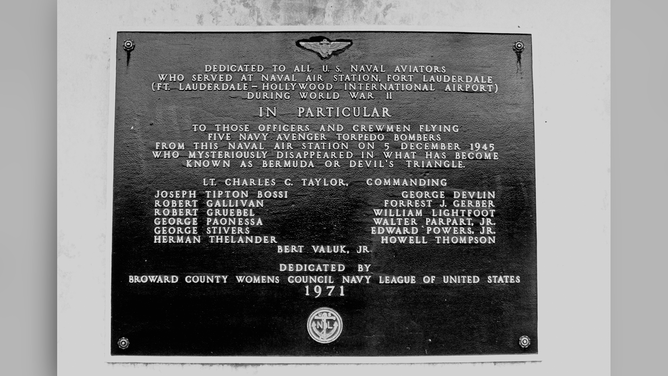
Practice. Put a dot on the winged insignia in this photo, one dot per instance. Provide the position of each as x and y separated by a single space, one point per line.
324 47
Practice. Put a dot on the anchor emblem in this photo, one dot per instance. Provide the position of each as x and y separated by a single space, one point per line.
324 325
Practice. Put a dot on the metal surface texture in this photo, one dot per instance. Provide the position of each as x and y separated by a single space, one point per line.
323 194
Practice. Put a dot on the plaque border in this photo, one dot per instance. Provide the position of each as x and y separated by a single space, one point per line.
106 339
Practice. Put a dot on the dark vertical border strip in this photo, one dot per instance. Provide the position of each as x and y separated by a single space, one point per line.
639 180
28 107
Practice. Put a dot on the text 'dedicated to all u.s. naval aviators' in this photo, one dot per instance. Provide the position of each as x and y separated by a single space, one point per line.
323 194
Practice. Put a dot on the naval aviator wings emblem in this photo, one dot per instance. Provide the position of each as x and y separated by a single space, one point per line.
324 47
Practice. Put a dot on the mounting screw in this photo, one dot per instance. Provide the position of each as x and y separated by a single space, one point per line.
525 342
123 343
518 47
129 45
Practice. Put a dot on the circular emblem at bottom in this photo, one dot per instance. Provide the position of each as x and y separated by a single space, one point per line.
324 325
525 342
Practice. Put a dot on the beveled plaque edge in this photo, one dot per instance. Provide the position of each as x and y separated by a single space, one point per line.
302 360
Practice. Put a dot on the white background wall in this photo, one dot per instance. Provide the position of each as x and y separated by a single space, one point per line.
571 49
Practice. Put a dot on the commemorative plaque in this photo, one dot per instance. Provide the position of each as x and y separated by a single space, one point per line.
316 195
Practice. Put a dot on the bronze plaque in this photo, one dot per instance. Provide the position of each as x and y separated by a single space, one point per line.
323 194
